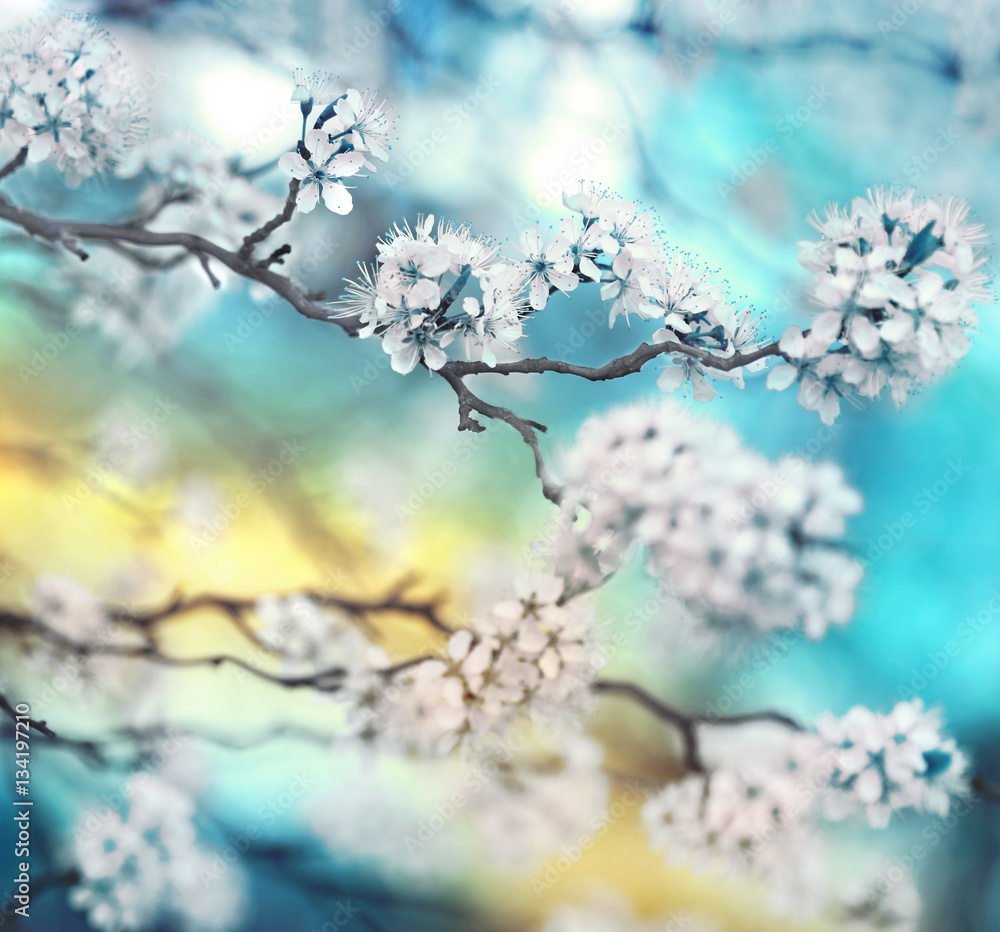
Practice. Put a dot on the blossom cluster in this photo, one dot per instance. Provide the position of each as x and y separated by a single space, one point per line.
195 186
71 612
413 295
67 608
66 94
348 129
750 546
528 656
146 866
747 821
895 278
410 296
616 242
880 764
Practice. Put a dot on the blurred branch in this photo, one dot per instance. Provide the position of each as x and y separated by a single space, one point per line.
234 606
687 724
14 164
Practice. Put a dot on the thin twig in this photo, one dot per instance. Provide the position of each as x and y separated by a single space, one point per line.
203 259
14 164
468 402
258 236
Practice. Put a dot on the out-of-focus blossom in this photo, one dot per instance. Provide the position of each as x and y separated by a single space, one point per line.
880 764
66 94
146 866
750 546
527 657
532 808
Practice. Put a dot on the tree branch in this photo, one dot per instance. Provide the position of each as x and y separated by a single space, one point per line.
66 231
468 402
687 724
258 236
617 368
14 164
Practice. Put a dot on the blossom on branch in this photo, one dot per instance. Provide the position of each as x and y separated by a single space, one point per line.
881 764
742 822
529 656
66 94
146 866
319 170
751 547
411 296
895 278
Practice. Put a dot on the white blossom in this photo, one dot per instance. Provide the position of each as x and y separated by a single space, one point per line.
63 605
312 638
320 172
66 94
147 866
880 764
751 547
529 656
412 297
545 266
364 119
534 807
312 90
895 278
747 821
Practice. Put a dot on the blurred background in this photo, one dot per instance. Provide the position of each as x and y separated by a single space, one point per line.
217 441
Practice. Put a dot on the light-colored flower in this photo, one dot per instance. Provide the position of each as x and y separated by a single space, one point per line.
66 94
880 764
320 173
747 553
546 265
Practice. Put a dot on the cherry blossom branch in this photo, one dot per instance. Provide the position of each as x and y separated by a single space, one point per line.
150 651
687 724
456 371
234 606
235 609
616 368
66 232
